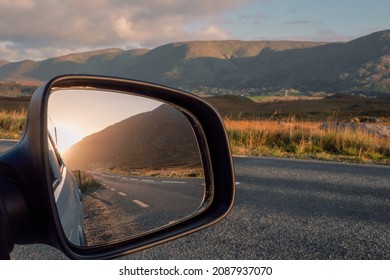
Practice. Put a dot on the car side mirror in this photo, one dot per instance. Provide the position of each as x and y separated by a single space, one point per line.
112 166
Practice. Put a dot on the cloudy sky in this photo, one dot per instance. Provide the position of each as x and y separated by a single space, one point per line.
37 29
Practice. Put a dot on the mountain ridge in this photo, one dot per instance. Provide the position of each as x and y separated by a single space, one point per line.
360 65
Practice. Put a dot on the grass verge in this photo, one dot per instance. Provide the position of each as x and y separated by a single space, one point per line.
163 172
304 139
288 138
12 123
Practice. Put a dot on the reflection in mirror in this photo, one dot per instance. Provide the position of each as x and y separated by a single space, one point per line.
131 162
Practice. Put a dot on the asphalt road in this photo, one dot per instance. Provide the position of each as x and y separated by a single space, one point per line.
127 206
287 209
7 144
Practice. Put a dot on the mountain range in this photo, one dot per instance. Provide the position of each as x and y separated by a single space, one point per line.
360 66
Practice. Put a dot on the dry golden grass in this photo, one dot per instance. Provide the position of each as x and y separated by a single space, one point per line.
305 139
288 138
12 123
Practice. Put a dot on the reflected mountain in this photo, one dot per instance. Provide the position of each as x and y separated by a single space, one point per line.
156 139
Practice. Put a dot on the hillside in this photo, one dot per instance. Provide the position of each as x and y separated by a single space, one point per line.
361 65
125 144
337 108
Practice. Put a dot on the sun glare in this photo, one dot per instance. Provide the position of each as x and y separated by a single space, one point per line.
75 114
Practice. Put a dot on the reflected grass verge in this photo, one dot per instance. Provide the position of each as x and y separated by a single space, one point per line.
304 139
85 181
163 172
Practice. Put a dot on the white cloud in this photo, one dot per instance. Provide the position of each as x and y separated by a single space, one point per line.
38 26
124 28
213 32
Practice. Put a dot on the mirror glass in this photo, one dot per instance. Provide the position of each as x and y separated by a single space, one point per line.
121 165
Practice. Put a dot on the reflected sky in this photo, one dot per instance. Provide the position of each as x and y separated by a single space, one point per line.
78 113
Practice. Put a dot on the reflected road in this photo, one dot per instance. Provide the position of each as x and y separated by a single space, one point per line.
126 206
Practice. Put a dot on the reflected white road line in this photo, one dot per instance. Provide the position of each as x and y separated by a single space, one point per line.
144 180
122 194
140 203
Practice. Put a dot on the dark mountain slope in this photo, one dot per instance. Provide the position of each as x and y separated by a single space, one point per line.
162 137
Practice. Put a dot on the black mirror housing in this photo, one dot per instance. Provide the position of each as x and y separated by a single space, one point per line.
33 216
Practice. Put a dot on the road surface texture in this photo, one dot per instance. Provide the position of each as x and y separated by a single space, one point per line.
287 209
7 144
127 206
